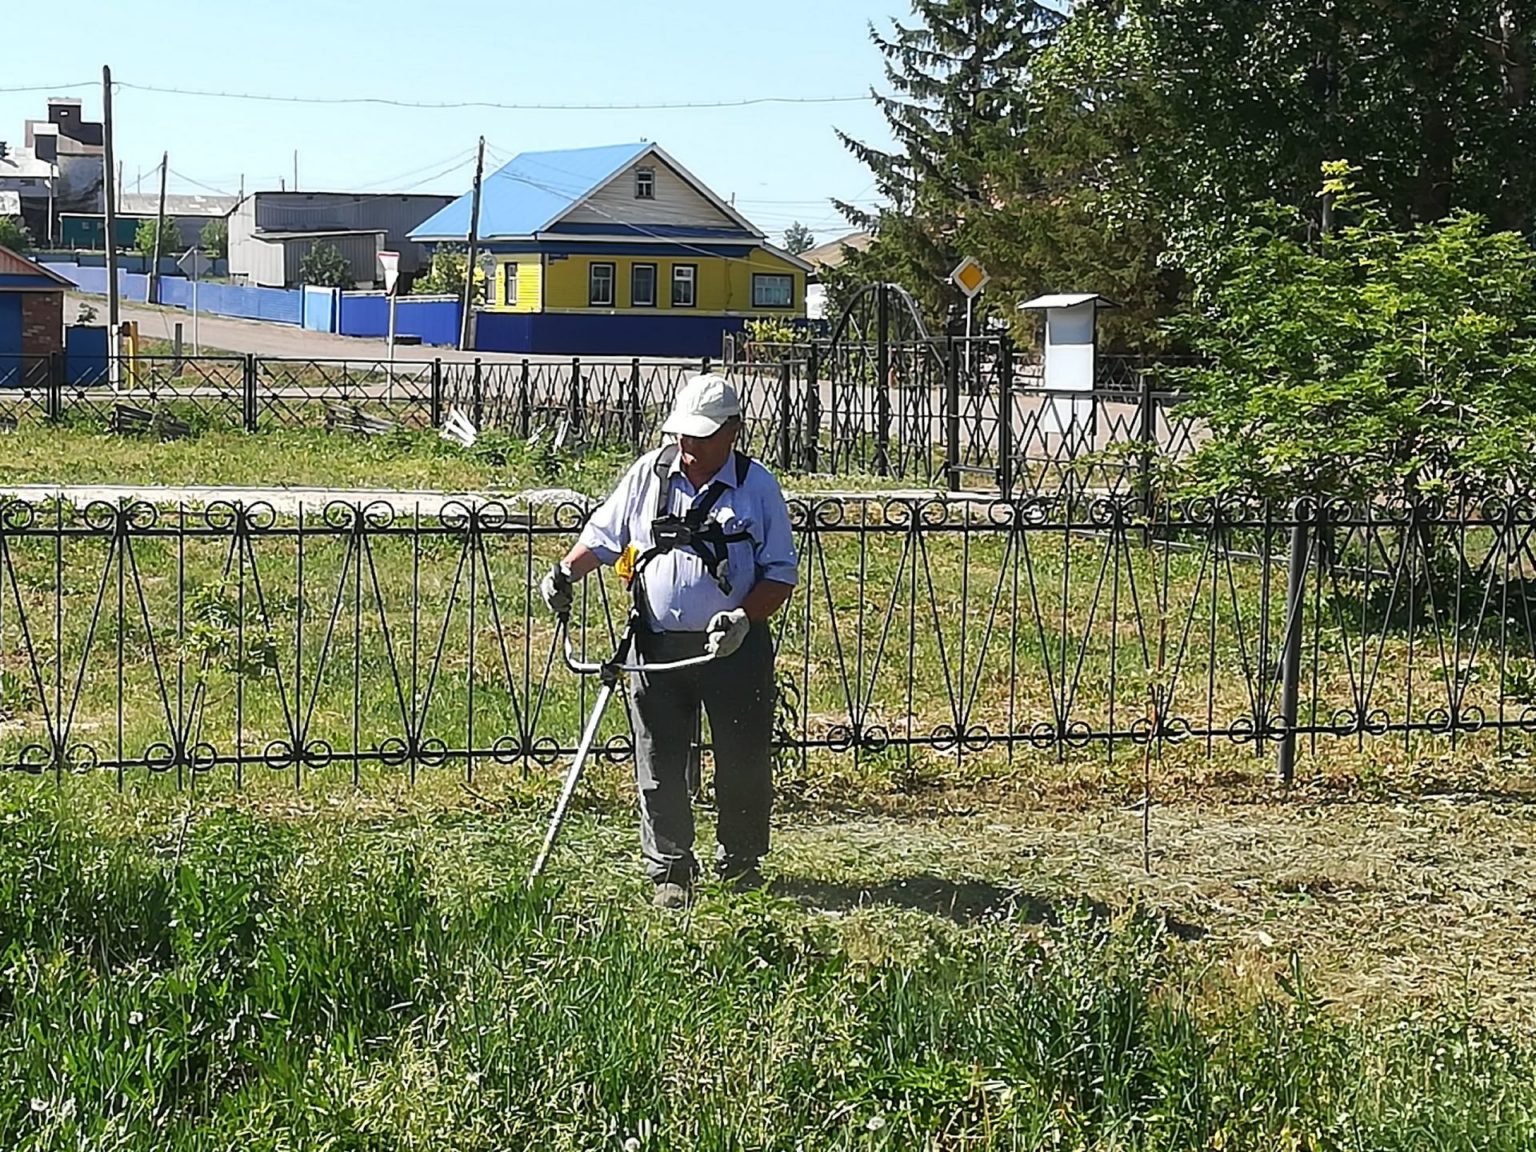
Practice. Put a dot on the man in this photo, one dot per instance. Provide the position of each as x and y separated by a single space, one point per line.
715 594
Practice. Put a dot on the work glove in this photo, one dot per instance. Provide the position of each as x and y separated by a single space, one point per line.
556 590
726 631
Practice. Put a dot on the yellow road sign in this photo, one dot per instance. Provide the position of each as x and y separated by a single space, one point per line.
969 276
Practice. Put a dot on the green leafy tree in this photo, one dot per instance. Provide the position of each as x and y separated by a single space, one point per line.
14 234
955 76
798 238
325 267
445 275
1439 96
1377 360
214 239
170 239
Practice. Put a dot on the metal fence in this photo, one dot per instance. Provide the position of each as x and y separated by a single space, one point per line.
928 636
946 414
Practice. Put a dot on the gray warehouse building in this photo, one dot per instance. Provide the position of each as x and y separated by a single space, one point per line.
271 232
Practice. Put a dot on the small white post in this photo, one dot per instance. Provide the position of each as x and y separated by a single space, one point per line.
392 299
197 255
390 263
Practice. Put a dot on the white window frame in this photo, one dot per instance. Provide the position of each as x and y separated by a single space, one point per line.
634 302
686 274
592 280
761 276
509 283
645 183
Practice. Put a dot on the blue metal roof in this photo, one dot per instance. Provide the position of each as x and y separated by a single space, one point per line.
531 192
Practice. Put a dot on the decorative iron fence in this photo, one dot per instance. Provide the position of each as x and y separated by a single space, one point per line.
928 412
928 636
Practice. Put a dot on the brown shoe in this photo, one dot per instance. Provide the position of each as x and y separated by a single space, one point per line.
669 895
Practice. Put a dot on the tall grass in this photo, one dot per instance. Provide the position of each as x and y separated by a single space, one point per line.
222 979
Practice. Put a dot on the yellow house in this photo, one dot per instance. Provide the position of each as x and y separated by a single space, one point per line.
616 251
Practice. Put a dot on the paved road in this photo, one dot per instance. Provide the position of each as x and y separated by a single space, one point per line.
284 340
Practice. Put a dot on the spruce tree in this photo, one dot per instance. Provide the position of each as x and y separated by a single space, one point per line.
956 75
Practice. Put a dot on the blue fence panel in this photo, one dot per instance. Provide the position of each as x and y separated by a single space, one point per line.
320 309
433 319
132 286
84 278
176 291
85 354
278 305
364 314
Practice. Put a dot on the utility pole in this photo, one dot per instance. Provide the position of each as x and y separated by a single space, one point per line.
474 251
242 188
295 169
113 348
153 294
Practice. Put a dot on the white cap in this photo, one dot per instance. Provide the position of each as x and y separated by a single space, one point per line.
703 406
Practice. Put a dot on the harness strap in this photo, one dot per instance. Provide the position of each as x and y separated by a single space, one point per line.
706 537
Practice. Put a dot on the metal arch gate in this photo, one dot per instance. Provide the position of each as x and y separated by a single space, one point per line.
886 397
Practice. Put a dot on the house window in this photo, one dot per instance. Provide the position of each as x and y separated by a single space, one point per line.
600 286
642 286
645 184
683 278
509 284
772 291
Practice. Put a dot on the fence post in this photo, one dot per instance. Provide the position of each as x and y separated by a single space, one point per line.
437 392
477 395
1146 434
636 409
573 404
882 380
786 415
250 392
524 410
953 458
53 394
1290 656
813 410
1005 416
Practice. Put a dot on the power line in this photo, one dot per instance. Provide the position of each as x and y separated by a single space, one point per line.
458 159
48 87
390 102
200 184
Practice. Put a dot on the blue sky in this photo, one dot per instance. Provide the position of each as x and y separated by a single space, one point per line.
782 162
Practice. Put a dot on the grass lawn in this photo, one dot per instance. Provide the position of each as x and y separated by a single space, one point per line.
964 946
298 458
345 971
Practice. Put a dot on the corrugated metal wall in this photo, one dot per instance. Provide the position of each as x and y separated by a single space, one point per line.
396 215
265 266
361 253
244 250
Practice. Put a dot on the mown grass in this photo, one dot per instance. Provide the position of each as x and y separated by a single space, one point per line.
226 976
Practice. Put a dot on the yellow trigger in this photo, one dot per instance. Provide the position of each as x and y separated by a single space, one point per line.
625 565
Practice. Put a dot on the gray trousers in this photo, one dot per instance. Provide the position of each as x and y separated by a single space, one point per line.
737 693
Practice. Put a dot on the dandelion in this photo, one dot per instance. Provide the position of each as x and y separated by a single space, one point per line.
875 1122
631 1144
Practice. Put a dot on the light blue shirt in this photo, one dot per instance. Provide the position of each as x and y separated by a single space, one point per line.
679 591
